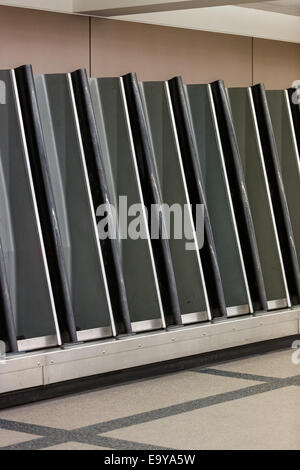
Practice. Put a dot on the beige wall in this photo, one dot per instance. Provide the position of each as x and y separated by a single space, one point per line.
54 42
51 42
276 63
159 53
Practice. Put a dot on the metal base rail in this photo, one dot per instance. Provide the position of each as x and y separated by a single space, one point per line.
58 366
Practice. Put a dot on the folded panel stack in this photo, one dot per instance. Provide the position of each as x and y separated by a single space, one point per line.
143 292
278 192
76 221
242 210
196 193
194 304
87 166
288 155
28 310
218 199
259 195
100 197
152 198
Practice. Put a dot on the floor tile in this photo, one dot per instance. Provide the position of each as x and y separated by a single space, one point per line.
267 421
11 438
277 364
105 405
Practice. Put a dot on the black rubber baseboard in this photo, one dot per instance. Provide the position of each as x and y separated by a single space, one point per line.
111 379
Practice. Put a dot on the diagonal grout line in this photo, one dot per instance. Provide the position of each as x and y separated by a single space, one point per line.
87 435
114 443
235 375
47 436
53 436
294 380
37 444
99 441
191 406
58 436
70 436
28 428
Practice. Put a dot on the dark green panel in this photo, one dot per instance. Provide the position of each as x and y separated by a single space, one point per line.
286 142
217 197
139 275
74 208
19 231
186 263
257 190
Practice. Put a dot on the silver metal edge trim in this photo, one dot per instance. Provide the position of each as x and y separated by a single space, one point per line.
277 304
124 99
239 310
104 356
197 317
75 114
148 325
35 207
33 344
94 334
260 149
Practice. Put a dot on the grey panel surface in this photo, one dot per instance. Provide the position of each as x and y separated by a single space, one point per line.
187 264
217 197
258 193
29 290
137 261
74 208
286 141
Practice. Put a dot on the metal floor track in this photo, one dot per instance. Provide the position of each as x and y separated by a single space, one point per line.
42 375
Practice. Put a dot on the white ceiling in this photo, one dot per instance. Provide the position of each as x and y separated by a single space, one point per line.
228 19
276 19
113 7
288 7
122 7
64 6
117 7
